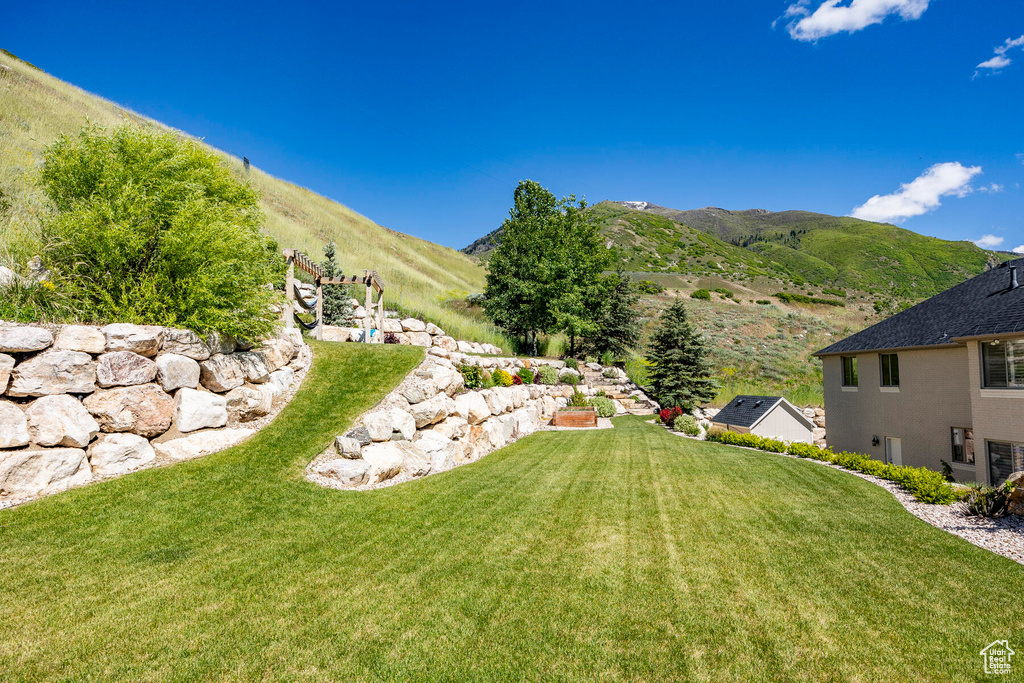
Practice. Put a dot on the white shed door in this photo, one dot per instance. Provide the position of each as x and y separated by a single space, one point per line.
893 451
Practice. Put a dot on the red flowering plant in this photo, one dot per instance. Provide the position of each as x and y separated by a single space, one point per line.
517 380
668 415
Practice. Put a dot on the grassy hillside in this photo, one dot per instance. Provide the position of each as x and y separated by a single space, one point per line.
35 108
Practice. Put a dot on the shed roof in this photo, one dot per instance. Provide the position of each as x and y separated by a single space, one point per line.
746 411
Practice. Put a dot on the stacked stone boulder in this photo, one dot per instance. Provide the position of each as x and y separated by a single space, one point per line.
410 332
431 423
80 402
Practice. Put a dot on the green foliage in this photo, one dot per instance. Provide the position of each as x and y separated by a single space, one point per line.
687 424
572 363
802 299
638 370
610 373
525 374
927 486
702 294
501 378
648 287
578 400
547 375
337 304
617 325
727 293
681 372
150 228
471 376
764 302
833 292
988 501
570 378
604 405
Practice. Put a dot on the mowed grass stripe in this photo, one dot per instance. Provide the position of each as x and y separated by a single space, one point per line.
626 554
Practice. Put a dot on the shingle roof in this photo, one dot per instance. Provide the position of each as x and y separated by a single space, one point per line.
983 305
745 411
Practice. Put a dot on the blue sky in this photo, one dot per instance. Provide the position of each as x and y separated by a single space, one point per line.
424 116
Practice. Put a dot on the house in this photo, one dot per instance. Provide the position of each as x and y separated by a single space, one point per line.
942 381
770 416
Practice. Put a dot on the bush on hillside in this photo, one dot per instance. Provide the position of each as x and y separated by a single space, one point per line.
572 364
570 378
547 375
472 378
801 299
605 406
687 424
701 294
648 287
151 228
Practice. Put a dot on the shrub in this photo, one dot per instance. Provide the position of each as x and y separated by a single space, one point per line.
605 406
648 287
764 302
681 373
610 373
985 501
607 358
927 486
390 338
517 380
501 378
570 378
668 415
572 364
151 228
471 376
801 299
547 375
701 294
687 424
526 375
724 292
476 299
578 400
487 379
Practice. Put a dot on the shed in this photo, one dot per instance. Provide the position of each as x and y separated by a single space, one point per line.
770 416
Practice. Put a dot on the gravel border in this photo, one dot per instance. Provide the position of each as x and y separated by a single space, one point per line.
1002 535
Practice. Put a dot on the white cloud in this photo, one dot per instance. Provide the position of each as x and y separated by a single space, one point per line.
1019 250
831 17
988 241
993 188
1000 61
920 195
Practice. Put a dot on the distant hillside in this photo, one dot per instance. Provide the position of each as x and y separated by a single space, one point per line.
35 108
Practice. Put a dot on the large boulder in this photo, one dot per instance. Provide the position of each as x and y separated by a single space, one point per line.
124 369
472 407
60 421
248 403
349 473
144 340
23 339
174 372
402 422
348 447
194 410
453 427
13 426
54 372
80 338
185 343
113 454
464 346
254 367
281 381
392 325
220 343
385 460
495 401
336 334
415 462
221 373
413 325
144 409
33 472
6 366
276 353
416 389
432 410
201 443
445 342
433 330
420 339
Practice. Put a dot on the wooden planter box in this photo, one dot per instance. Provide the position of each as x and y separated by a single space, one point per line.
575 417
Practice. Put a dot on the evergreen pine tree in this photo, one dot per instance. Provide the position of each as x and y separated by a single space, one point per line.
337 307
618 322
680 374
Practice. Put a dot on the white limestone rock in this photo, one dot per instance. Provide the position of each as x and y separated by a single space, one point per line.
276 353
472 407
114 454
446 343
348 447
433 330
464 346
80 338
201 443
6 366
385 460
221 373
495 401
349 473
453 427
413 325
249 403
281 381
432 410
254 367
420 339
174 372
144 409
402 422
23 338
60 421
144 340
222 344
416 389
336 334
194 410
124 369
38 472
392 325
415 462
54 372
185 343
13 426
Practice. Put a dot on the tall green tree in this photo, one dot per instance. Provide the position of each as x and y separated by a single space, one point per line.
680 372
617 328
337 298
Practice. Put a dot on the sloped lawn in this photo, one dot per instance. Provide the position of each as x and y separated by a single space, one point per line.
625 554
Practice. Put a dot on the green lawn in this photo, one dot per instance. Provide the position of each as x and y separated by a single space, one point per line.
626 554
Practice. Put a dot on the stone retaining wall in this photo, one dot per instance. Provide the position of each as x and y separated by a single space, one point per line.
412 332
79 403
430 423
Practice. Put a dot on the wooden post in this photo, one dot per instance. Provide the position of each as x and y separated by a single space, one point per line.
289 290
369 306
380 313
319 310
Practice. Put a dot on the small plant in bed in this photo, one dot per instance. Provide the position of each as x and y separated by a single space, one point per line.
501 378
547 375
605 406
687 424
525 375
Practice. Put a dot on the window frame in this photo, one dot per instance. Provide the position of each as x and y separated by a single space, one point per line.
1013 466
853 371
965 459
890 357
1008 362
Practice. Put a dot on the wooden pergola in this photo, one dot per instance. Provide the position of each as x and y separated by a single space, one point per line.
298 305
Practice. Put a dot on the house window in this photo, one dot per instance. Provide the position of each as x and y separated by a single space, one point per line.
890 370
1004 459
1003 364
849 371
963 445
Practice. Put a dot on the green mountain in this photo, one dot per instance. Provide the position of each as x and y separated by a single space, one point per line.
35 108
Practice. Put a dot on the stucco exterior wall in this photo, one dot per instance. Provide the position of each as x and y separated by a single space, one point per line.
998 413
780 423
933 397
